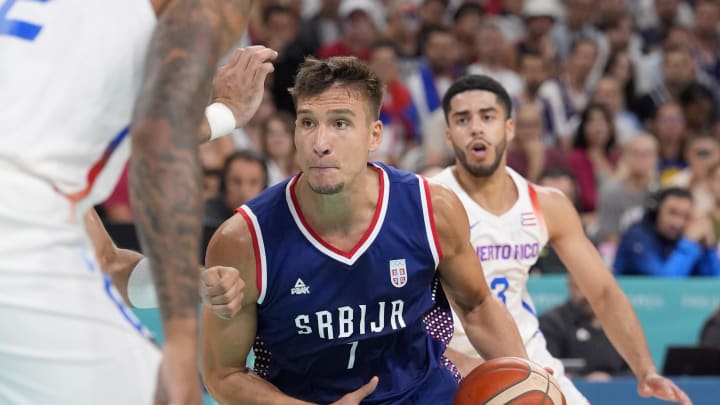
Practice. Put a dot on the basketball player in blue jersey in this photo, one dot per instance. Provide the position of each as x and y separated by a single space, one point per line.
341 302
71 72
511 220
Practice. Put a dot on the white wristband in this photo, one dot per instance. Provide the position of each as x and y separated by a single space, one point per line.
221 120
140 288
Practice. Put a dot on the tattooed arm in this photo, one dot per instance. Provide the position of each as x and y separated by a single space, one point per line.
164 171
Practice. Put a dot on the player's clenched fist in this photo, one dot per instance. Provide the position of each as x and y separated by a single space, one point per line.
221 289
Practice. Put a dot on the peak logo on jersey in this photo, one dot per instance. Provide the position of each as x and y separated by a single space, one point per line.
300 288
528 219
398 273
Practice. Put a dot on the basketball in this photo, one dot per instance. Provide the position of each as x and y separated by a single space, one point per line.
509 381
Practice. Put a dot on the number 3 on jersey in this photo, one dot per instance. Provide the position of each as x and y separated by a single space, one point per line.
16 28
499 285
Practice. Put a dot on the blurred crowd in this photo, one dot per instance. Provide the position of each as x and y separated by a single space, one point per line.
615 103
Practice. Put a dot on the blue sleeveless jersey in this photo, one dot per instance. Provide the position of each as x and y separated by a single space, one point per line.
329 320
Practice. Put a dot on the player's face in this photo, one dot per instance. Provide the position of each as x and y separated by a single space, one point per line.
479 131
334 133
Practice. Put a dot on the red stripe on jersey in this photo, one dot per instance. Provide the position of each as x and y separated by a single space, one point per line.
349 254
431 215
536 206
256 248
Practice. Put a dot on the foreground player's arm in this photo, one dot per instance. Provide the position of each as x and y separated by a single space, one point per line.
609 303
165 175
488 324
226 343
220 287
118 263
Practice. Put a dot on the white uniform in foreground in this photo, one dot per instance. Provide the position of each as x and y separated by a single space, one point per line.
508 246
69 76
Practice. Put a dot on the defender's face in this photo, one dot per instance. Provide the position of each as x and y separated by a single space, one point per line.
334 135
478 131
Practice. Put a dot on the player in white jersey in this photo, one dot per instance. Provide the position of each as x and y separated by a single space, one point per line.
511 220
70 74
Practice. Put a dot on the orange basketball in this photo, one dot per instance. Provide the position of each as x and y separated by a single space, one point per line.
509 381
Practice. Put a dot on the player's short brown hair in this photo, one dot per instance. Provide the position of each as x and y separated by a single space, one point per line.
318 75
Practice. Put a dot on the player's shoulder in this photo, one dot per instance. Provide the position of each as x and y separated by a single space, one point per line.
235 231
550 196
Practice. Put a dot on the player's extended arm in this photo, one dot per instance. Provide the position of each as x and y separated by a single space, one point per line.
226 343
118 263
609 303
220 287
488 324
165 175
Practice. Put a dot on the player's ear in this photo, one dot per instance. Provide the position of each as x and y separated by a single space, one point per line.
376 131
509 129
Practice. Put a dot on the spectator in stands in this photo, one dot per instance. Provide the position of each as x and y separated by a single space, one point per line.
534 71
321 28
281 26
573 332
432 13
466 20
278 146
593 158
539 17
244 175
548 261
656 18
706 49
609 93
491 49
510 20
360 24
698 105
403 26
669 241
526 153
701 153
713 184
710 333
436 71
577 25
621 67
621 200
668 126
568 93
401 122
678 71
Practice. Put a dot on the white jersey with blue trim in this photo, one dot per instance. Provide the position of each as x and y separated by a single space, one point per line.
70 73
508 245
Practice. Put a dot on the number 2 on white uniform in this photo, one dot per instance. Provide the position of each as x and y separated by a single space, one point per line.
499 285
353 349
